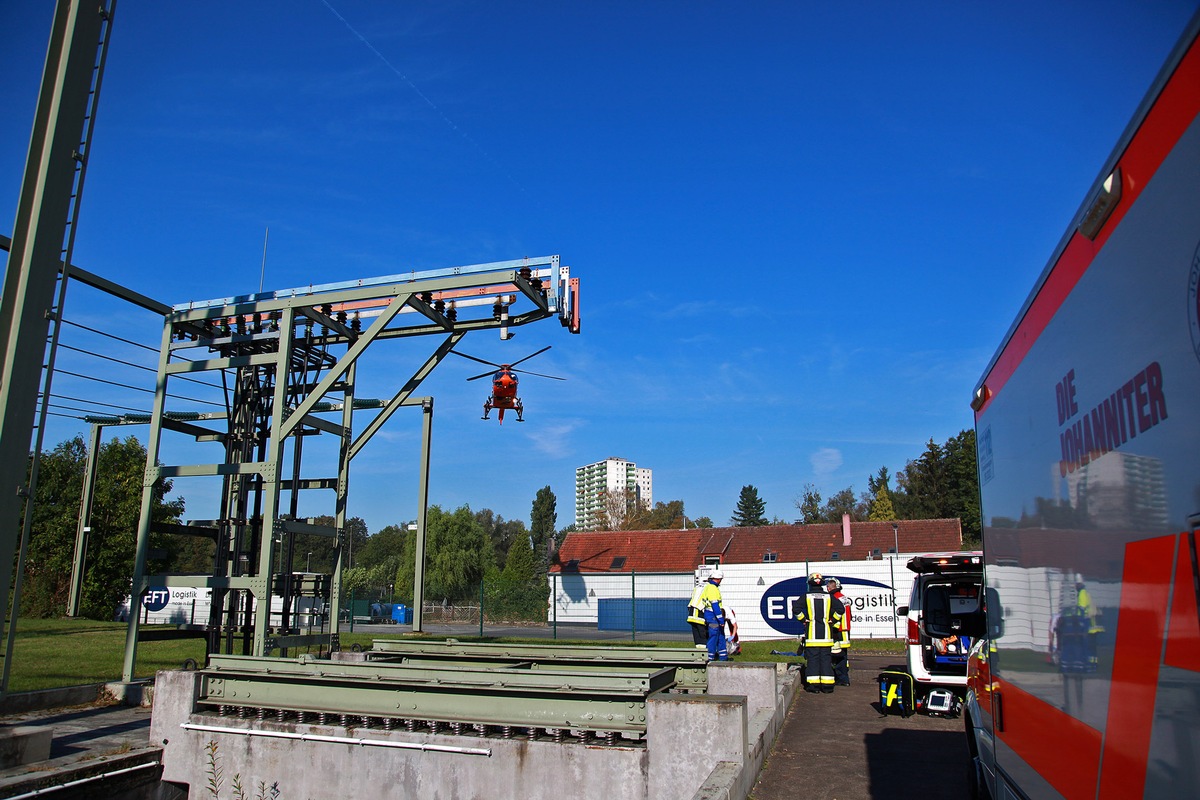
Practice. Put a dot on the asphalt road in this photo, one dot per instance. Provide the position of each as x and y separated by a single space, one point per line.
839 747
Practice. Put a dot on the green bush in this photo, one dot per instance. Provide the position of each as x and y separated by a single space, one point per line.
509 601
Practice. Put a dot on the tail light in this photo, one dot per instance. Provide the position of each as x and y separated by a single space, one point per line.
914 634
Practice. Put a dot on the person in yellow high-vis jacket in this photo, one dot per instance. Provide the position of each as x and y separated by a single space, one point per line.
1087 609
695 618
714 617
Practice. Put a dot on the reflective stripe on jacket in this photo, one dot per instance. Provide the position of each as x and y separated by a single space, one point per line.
820 615
844 625
696 606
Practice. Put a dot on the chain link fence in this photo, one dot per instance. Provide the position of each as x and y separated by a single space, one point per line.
630 606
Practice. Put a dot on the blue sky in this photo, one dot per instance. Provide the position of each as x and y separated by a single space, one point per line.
801 229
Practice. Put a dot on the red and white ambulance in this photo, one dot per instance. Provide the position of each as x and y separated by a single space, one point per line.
1087 683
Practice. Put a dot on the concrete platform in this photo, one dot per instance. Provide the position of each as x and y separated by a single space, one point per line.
94 750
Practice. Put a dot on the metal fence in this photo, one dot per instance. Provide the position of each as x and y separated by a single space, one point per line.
629 606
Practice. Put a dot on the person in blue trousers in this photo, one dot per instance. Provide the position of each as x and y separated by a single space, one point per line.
714 617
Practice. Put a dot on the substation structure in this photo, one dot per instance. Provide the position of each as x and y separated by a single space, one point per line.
289 363
451 719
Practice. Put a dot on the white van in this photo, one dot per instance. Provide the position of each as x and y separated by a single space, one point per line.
958 578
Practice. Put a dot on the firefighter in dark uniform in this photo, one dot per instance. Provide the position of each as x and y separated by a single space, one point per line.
820 617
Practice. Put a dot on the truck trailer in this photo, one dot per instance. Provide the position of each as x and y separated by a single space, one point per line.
1084 681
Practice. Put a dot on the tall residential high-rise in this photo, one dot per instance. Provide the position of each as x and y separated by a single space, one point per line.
1121 490
595 483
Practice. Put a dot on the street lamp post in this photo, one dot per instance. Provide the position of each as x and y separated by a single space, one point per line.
896 536
308 563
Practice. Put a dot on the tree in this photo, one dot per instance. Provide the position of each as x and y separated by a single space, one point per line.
962 484
521 566
501 532
810 505
749 511
323 548
703 522
378 561
881 508
385 546
665 516
116 508
542 519
942 484
842 503
519 592
458 554
874 482
624 510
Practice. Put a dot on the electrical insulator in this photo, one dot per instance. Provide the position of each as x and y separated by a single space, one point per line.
452 314
497 310
440 306
356 323
341 317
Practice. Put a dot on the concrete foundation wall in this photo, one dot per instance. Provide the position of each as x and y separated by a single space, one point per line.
691 741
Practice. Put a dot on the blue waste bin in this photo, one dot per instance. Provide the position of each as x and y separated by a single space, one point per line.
402 614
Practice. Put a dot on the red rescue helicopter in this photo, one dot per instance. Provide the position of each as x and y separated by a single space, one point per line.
504 384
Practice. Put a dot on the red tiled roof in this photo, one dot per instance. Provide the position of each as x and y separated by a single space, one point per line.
681 551
643 551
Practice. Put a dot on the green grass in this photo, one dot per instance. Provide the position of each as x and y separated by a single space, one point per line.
51 653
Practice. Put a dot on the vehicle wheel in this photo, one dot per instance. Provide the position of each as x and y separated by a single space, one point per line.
975 783
356 648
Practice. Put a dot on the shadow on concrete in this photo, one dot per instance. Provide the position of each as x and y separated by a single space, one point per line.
903 763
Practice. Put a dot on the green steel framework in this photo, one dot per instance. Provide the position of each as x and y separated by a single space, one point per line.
282 373
285 375
41 246
532 691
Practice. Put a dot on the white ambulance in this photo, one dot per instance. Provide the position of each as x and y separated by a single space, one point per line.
1088 424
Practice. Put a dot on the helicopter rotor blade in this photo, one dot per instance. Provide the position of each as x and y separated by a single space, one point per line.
473 358
481 375
538 374
531 355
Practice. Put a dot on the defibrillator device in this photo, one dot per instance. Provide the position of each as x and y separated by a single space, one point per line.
940 703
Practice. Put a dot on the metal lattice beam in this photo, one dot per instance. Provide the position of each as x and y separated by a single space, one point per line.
294 355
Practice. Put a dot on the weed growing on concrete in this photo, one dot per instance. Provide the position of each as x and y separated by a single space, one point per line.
215 779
